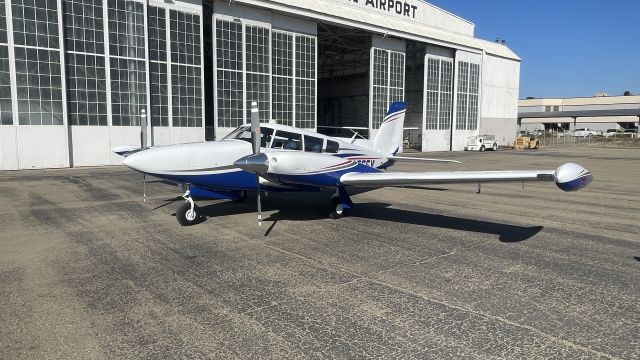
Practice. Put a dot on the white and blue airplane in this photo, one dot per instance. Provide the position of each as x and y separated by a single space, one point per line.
277 158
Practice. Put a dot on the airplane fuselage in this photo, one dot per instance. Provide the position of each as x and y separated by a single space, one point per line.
209 165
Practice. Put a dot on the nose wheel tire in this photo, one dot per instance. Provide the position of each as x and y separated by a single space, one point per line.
336 210
187 216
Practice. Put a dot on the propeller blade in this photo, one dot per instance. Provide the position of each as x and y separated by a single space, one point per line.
257 163
259 203
255 127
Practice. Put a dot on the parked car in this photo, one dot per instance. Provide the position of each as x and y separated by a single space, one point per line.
581 132
612 133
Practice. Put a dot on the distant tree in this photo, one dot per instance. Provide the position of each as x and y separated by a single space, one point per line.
627 93
530 97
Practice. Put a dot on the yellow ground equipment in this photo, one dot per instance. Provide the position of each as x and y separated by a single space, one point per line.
527 142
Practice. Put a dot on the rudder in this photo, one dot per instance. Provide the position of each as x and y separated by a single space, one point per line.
388 140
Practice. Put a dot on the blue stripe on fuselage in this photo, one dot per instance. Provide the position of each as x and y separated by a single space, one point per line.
230 180
328 179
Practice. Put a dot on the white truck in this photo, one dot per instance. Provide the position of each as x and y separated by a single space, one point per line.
481 143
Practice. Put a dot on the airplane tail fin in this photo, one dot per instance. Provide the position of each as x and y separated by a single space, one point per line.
388 140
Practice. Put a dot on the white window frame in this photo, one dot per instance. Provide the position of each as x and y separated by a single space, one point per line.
373 125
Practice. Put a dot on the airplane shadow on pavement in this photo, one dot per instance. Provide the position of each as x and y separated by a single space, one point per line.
294 208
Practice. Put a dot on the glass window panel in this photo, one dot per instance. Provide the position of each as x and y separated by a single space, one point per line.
31 24
388 82
185 38
5 87
128 92
157 34
313 144
126 28
159 95
186 104
85 90
38 98
3 24
286 140
83 26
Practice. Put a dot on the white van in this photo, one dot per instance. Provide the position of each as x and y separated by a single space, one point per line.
481 143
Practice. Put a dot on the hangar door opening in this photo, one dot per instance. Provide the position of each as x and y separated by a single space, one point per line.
343 80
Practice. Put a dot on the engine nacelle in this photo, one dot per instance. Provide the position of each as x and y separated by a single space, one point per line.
572 177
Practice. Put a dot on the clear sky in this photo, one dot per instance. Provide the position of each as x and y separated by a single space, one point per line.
568 47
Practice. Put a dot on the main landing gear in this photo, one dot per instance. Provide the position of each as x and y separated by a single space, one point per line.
188 213
340 201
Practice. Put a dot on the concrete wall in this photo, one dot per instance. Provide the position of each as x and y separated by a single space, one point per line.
500 81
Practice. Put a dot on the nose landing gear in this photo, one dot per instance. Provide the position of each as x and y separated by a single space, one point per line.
188 213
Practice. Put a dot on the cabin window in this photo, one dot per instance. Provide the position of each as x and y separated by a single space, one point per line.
244 133
332 146
313 144
237 133
287 141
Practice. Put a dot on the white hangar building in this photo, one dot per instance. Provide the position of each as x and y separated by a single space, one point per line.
78 77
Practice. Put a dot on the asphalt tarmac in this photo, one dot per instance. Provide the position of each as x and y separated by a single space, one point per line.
88 270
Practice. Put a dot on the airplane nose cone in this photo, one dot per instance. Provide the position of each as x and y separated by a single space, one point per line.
572 177
258 163
133 161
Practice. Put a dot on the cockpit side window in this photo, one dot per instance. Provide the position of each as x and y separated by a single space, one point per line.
238 133
313 144
286 140
332 146
244 133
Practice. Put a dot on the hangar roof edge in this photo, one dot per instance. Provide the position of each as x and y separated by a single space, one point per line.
337 12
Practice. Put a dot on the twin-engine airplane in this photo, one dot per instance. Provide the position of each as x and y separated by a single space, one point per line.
277 158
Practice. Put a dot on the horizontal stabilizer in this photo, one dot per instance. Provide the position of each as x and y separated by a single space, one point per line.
125 150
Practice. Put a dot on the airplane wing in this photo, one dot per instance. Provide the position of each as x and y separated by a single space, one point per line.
407 158
568 177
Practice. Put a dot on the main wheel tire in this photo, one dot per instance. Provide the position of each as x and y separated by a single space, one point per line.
494 147
482 148
185 216
336 210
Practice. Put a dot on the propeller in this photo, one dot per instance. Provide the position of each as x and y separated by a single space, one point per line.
257 162
255 140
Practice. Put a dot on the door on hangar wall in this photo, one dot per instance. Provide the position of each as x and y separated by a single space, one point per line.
276 68
467 98
438 103
386 78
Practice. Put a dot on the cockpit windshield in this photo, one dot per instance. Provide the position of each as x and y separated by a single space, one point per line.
244 133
